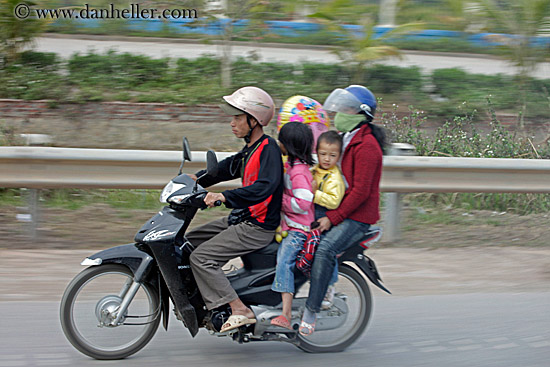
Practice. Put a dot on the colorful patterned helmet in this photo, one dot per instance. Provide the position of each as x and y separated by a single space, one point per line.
305 110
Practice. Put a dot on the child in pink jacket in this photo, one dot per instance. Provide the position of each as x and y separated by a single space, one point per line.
298 212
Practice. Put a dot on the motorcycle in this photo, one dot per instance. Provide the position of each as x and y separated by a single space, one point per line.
114 307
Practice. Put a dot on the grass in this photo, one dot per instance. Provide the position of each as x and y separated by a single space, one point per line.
522 204
12 197
447 217
123 199
74 199
104 217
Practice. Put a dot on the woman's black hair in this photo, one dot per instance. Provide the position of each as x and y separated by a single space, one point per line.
297 139
330 137
378 132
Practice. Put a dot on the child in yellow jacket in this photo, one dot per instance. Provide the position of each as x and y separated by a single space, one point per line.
328 181
329 187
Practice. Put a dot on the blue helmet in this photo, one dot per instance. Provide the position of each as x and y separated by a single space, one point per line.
352 100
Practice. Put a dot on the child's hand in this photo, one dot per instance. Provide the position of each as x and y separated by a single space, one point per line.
313 185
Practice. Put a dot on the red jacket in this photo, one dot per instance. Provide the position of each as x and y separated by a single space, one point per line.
362 168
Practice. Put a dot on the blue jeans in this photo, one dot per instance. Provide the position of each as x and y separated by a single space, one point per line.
320 212
338 239
286 261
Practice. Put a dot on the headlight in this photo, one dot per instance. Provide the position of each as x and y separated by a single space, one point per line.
169 189
179 198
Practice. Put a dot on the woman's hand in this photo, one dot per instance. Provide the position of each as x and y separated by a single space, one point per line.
324 224
212 197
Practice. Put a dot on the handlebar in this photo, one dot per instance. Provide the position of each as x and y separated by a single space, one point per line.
200 197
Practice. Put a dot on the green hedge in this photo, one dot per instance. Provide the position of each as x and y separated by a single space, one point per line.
506 92
126 77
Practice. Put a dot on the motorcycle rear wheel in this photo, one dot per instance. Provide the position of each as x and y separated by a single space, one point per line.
94 292
359 300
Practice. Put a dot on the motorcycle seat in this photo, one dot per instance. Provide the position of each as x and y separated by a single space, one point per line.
270 249
263 258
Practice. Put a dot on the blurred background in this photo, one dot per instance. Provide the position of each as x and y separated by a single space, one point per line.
100 98
470 271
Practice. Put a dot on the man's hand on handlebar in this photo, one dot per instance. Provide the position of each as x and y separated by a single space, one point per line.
193 176
212 197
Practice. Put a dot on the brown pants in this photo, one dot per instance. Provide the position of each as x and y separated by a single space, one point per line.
217 243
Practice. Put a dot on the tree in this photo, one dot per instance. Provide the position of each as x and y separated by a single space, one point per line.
229 18
233 10
358 51
16 34
525 19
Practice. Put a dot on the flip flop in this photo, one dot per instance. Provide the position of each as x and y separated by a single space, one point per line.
236 321
306 329
281 321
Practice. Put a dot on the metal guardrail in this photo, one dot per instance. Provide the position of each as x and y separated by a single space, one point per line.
45 167
438 174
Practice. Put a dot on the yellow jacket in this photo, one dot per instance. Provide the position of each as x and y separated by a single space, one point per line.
330 187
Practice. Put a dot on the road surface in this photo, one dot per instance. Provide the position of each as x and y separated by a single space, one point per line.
460 307
467 330
158 48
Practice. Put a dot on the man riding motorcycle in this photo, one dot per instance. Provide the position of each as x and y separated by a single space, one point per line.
256 206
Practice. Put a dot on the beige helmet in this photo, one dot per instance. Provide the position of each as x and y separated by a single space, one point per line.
252 100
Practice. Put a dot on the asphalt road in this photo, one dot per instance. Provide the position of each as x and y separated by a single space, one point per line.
157 48
498 329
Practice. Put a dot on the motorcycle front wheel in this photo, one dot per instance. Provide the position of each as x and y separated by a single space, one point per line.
87 306
352 287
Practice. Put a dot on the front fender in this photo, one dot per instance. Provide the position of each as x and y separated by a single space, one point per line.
137 260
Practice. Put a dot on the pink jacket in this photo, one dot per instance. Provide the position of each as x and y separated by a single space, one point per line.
298 210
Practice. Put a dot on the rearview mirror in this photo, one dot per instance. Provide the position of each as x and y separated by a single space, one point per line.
186 154
211 163
186 150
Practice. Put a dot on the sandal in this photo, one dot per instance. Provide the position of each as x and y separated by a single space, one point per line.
236 321
306 329
281 321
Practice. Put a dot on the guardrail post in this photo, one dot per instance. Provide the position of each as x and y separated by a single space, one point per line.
33 195
34 211
393 203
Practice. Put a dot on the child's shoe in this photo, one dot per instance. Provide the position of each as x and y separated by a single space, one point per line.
329 298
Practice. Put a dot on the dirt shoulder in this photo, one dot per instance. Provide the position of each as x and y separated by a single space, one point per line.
99 226
440 253
42 275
